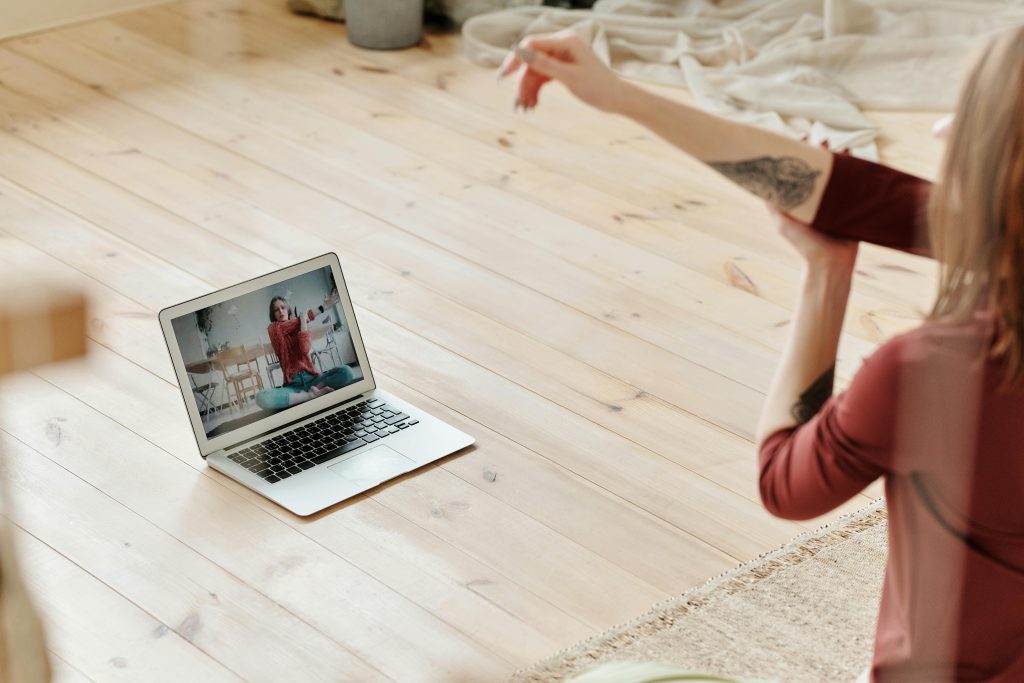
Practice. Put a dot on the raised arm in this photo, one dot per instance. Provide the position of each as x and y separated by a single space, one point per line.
788 174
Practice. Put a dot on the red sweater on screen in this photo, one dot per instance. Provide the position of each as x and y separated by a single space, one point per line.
291 344
925 413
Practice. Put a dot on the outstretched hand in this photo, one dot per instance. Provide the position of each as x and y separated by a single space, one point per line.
567 58
332 299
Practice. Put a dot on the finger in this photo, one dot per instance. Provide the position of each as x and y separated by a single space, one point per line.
509 65
547 65
565 42
529 87
943 126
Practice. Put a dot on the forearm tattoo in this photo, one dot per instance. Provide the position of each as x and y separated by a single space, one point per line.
811 401
786 182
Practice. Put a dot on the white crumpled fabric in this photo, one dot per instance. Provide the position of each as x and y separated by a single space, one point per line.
799 67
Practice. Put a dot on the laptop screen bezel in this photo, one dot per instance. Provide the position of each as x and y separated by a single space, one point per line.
284 417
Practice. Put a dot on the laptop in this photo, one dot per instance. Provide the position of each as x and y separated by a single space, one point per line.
280 394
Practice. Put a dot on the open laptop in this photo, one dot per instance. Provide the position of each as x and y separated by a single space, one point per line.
281 396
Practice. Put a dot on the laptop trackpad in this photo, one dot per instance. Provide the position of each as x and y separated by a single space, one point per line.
373 466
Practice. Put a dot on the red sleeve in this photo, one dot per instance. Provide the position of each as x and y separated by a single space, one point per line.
809 470
305 342
874 203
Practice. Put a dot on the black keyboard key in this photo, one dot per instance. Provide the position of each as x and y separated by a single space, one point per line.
294 470
284 474
306 464
330 455
272 478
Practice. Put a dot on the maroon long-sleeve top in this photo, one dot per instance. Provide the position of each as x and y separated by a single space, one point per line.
925 412
291 344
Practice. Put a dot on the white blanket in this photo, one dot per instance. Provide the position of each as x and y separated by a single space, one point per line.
799 67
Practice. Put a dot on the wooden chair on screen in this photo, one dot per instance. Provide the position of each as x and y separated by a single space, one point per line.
271 362
322 344
241 373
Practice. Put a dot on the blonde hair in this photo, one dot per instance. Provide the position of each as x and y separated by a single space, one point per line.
976 212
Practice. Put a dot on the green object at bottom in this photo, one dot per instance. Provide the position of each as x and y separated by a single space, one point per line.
638 672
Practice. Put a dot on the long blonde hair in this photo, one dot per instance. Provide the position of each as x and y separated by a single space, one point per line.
976 212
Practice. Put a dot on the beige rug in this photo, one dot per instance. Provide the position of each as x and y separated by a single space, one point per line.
803 612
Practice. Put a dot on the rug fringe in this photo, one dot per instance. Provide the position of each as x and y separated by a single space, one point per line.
822 532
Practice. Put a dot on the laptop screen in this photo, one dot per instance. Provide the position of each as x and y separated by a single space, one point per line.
266 351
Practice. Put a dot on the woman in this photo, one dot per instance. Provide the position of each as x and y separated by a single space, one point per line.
937 411
290 336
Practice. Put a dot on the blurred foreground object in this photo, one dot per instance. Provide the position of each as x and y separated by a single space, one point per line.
37 326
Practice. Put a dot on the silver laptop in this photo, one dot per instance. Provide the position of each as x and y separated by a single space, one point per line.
281 396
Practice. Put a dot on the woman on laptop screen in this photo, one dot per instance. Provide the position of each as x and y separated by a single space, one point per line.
292 340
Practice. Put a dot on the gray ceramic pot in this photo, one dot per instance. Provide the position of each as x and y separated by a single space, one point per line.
384 24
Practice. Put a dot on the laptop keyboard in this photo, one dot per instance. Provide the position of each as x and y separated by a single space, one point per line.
317 442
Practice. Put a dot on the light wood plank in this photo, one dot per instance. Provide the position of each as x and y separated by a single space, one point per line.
126 647
617 146
190 597
402 641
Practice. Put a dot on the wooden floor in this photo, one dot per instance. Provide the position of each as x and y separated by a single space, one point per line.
599 311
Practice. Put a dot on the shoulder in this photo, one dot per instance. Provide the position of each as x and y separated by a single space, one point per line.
933 344
890 355
867 405
923 363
